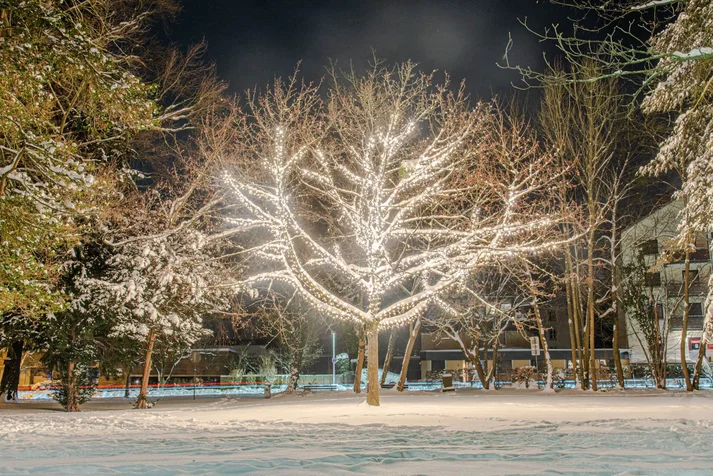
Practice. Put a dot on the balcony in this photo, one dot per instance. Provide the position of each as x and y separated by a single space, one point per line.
696 288
700 255
695 323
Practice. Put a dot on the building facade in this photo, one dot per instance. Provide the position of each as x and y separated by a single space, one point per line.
651 242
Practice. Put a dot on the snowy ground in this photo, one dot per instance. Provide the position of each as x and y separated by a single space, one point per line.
470 432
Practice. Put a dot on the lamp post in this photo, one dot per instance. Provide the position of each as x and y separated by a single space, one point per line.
195 358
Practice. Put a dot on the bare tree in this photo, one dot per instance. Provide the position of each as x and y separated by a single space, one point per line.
476 316
665 49
296 328
586 119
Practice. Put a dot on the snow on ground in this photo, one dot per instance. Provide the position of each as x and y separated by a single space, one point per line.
469 432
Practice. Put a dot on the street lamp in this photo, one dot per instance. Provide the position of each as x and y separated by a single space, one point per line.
195 358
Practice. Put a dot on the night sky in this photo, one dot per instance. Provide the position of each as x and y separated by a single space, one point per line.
253 41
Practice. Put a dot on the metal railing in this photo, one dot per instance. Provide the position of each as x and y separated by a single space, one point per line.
696 288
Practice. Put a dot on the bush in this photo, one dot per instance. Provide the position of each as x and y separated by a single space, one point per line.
524 376
437 375
76 389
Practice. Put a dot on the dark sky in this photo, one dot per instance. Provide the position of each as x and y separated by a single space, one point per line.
253 41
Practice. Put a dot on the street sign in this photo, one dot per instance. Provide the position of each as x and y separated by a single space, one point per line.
535 345
334 360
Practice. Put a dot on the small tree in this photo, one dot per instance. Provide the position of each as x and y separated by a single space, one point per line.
643 307
160 287
476 316
296 328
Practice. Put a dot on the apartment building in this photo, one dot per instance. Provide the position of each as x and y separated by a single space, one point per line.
651 239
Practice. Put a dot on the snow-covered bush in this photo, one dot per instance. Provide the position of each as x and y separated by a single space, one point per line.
76 387
524 377
267 367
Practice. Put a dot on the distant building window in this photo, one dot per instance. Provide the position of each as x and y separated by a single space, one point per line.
695 309
551 316
551 335
650 247
652 279
657 311
701 254
692 276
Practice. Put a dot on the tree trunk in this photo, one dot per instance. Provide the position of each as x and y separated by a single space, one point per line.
11 375
482 375
359 366
127 387
372 365
413 334
493 370
590 309
617 356
71 389
541 332
389 355
658 351
583 358
615 297
707 325
141 400
294 375
684 324
570 325
699 361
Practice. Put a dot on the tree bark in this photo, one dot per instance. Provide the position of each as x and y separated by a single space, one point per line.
590 308
684 324
372 365
389 355
658 351
11 375
294 375
541 332
413 334
141 400
570 325
493 370
574 290
617 356
707 324
359 366
71 389
475 360
127 387
615 297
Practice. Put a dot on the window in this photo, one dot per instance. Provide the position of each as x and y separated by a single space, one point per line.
657 311
701 254
438 365
692 276
551 335
652 279
650 247
695 309
551 316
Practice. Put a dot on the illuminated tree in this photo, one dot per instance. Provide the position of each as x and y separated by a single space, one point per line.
372 203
